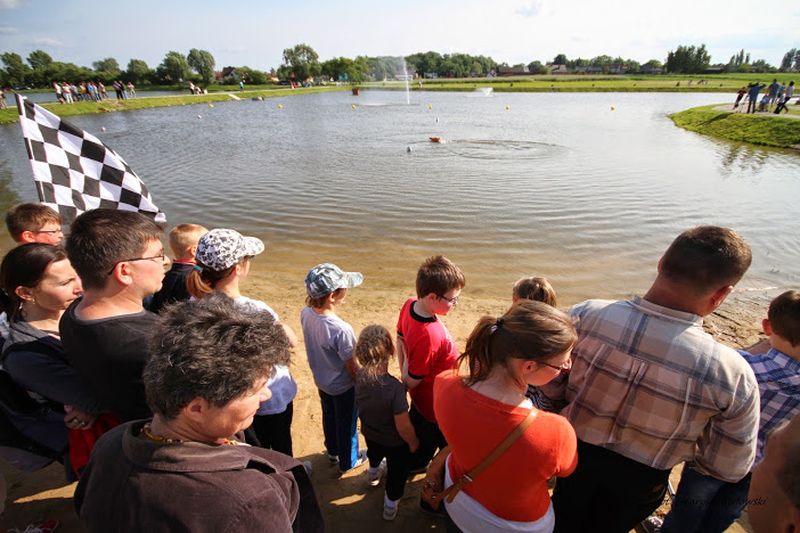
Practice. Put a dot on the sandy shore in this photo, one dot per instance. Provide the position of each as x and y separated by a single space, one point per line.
348 503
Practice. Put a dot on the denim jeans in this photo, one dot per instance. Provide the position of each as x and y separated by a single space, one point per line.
705 504
339 417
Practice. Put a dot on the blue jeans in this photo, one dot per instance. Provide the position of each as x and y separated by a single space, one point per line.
339 417
705 504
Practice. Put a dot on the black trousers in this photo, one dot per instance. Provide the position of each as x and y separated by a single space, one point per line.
607 492
398 464
430 439
275 431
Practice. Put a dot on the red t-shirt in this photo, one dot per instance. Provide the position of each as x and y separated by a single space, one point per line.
514 486
429 350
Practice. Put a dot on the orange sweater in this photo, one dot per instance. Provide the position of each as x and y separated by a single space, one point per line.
514 487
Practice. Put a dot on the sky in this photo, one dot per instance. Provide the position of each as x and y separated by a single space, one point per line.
254 33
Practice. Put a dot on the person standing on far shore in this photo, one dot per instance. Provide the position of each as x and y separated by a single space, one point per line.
752 94
787 95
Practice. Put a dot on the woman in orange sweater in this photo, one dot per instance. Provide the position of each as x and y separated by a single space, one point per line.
529 345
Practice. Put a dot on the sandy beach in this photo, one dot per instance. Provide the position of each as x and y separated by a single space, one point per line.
348 502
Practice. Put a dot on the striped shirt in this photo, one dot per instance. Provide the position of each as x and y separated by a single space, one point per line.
778 377
648 383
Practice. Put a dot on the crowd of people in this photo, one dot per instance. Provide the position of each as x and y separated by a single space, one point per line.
170 396
89 91
774 100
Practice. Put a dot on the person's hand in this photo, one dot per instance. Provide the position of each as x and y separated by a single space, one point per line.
413 446
77 419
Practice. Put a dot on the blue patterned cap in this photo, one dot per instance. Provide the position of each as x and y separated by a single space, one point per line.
325 278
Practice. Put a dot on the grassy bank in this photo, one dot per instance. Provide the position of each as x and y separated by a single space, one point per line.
10 116
762 129
593 83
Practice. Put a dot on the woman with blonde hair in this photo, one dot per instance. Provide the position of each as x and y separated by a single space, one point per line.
222 261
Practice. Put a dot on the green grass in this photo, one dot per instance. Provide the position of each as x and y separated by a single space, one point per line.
10 116
593 83
762 129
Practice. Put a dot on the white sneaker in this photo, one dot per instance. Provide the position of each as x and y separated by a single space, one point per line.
333 459
389 512
361 458
374 475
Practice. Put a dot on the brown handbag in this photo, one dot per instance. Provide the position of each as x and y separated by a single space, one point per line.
434 497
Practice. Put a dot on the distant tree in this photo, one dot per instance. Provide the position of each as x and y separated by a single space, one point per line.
138 71
203 63
425 62
560 59
108 65
40 63
302 60
17 72
249 75
174 68
791 60
688 59
653 64
39 60
760 65
536 67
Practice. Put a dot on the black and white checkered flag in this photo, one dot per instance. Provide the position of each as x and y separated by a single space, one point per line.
75 172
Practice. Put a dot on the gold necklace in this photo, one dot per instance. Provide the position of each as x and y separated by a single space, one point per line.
149 435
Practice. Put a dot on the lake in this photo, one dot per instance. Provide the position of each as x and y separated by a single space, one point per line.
587 189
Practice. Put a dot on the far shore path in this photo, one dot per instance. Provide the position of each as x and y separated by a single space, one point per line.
729 108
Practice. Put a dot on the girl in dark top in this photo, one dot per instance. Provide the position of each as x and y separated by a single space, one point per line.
383 410
38 284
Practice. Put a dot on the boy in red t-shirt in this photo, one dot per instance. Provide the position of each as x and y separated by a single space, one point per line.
425 348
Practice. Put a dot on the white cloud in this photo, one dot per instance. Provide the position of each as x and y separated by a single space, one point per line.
47 41
8 30
531 9
9 4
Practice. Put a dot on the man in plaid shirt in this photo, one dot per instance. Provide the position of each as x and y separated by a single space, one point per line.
704 503
649 389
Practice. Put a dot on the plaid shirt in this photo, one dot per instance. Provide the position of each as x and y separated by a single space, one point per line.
778 377
648 383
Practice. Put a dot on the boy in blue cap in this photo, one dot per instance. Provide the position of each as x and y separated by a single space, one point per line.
329 344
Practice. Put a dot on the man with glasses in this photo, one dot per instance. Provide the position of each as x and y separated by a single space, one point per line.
425 348
34 223
120 259
649 389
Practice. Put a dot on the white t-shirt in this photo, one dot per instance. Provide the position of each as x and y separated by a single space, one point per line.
281 384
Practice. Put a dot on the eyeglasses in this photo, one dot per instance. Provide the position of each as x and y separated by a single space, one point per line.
563 367
49 231
160 257
451 301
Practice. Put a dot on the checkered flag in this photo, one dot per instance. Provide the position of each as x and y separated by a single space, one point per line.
75 172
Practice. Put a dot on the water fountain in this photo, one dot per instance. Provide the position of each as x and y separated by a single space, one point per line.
405 77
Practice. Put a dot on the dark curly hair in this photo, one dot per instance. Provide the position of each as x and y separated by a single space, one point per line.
213 349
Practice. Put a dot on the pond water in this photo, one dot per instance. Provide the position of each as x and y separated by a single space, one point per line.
587 189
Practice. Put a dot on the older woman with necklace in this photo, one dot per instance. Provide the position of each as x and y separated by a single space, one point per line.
187 469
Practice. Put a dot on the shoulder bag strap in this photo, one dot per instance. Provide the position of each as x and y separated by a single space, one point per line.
450 492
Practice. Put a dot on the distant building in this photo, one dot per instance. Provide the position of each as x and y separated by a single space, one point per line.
650 69
226 72
557 68
512 71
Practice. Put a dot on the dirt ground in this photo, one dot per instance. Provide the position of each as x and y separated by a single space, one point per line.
349 504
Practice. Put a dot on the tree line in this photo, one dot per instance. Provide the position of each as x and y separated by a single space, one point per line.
301 63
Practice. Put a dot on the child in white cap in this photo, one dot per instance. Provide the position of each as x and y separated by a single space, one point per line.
222 260
329 346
